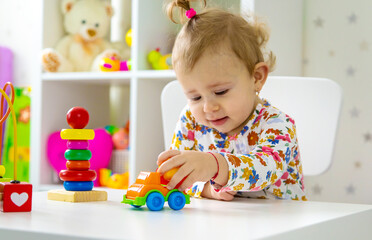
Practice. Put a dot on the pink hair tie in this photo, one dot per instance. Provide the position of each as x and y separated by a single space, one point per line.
190 13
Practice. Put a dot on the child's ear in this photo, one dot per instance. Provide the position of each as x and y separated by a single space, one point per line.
260 73
67 5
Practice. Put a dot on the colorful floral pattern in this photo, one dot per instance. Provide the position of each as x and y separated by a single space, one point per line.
264 159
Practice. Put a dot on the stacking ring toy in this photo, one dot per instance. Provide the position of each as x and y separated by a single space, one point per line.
78 154
71 175
78 186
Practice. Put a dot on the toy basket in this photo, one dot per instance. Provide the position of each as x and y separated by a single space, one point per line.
119 162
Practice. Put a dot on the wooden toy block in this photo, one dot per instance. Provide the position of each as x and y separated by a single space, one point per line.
16 197
77 196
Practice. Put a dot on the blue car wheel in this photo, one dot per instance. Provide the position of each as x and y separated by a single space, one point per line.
176 200
155 201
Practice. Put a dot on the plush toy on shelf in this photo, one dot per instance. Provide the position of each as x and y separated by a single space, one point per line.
159 61
87 23
112 65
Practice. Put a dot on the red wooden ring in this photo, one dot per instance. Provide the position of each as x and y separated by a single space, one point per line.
78 165
71 175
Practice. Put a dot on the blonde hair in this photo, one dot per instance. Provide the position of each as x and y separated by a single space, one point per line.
213 27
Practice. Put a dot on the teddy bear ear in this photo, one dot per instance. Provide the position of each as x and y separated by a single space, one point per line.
109 9
67 5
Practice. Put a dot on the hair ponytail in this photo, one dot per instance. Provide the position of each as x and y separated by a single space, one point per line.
212 27
183 5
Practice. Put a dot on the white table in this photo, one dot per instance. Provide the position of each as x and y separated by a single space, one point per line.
202 219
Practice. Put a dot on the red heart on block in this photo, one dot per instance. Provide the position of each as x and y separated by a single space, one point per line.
101 148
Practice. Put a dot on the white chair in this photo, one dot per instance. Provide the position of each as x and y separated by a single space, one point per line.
314 104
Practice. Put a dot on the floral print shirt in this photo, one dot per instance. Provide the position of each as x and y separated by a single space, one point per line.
263 159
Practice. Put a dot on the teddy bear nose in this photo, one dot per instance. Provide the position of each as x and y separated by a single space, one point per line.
91 32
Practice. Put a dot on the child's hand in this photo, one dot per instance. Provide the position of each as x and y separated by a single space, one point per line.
209 192
194 166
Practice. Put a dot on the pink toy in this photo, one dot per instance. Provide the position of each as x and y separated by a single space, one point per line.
6 65
77 144
112 65
6 75
121 139
101 148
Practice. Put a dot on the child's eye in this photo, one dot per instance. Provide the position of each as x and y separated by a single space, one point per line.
221 92
196 98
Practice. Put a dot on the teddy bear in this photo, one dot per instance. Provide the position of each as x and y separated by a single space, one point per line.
87 23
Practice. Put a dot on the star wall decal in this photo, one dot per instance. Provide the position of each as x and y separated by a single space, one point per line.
357 164
350 71
367 137
354 112
318 22
331 53
317 190
350 189
352 18
364 46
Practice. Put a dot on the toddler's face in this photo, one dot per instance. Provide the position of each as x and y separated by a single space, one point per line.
220 91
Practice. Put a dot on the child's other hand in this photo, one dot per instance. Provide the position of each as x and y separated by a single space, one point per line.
193 166
209 192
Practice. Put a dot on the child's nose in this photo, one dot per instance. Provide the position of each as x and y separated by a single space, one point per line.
211 106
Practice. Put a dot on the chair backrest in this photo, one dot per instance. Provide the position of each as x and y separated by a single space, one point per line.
314 104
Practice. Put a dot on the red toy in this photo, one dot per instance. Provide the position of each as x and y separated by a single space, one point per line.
15 196
77 117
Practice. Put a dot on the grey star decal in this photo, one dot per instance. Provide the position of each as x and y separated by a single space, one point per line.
331 53
354 112
318 22
317 189
350 71
350 189
367 137
352 18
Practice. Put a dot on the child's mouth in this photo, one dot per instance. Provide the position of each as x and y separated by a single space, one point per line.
219 122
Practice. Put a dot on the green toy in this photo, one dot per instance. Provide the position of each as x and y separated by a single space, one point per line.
22 110
158 61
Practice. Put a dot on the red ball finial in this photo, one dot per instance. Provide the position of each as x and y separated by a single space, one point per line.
77 117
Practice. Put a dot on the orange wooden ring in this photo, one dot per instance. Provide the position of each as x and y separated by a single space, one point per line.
72 175
78 165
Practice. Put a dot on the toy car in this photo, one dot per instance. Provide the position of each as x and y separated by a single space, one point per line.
148 190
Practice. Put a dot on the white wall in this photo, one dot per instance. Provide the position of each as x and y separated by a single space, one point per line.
338 45
19 31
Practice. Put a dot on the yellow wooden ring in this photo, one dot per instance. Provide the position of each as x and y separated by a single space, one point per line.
77 134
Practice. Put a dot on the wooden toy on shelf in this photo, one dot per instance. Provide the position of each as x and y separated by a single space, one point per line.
78 179
15 196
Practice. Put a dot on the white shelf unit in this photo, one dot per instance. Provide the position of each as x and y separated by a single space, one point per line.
110 97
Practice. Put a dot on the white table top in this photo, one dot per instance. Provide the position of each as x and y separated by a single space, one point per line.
202 219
